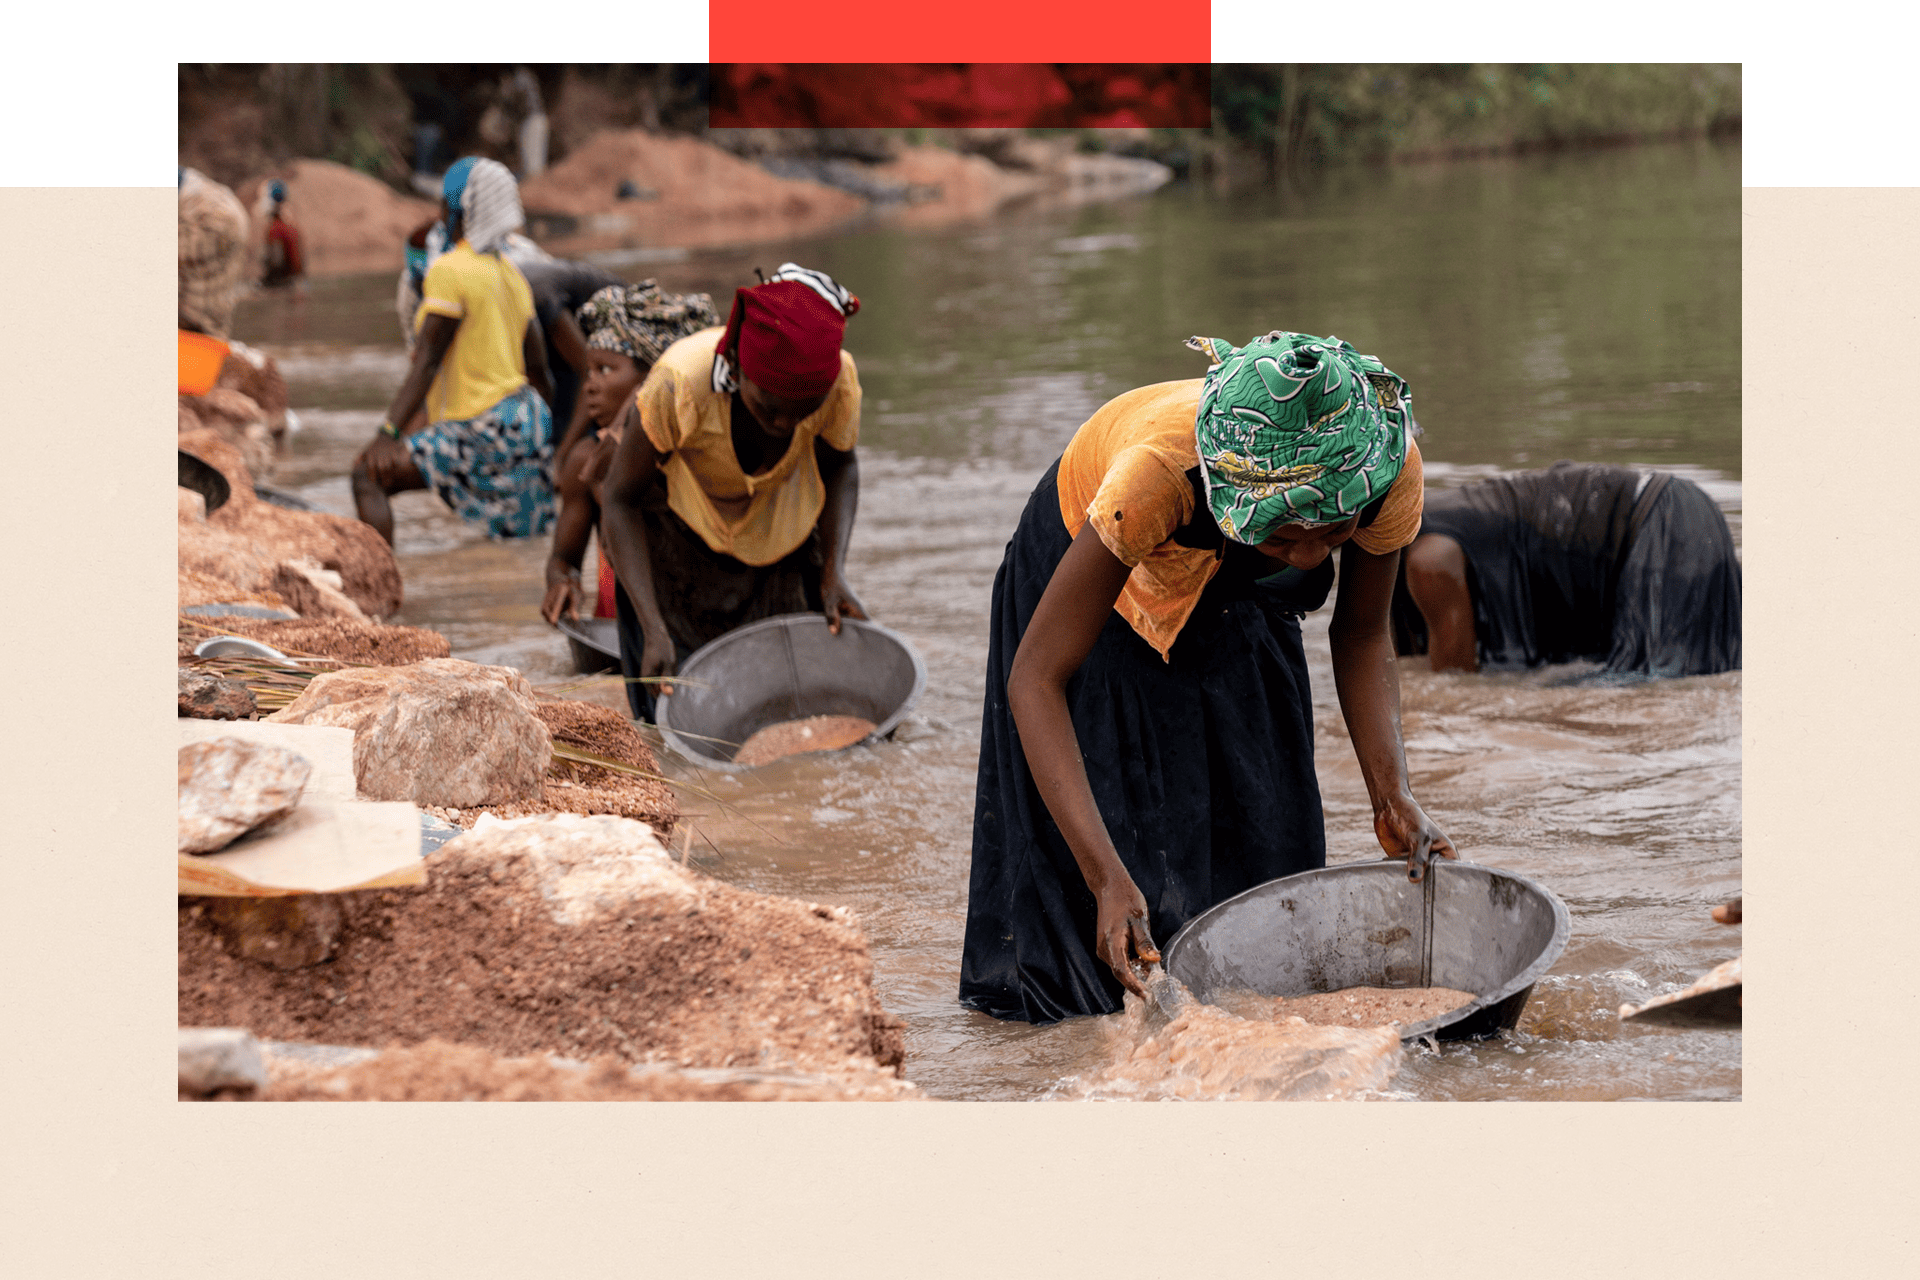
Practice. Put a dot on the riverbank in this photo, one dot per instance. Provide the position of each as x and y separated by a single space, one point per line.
636 190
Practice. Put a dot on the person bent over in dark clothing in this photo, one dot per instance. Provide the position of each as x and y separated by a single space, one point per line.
1581 562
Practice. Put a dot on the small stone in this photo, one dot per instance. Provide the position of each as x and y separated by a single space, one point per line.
313 592
205 696
215 1058
229 787
290 932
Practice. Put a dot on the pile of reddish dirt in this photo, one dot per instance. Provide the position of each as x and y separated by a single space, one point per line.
201 588
245 541
370 644
543 939
576 787
700 195
441 1072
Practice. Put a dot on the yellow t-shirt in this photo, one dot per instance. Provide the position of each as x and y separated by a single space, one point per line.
491 300
755 519
1126 470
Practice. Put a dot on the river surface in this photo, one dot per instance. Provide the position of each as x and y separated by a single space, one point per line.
1582 306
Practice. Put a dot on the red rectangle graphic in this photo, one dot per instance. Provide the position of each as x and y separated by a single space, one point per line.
958 95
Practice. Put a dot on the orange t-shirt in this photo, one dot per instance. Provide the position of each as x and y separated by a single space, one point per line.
1126 470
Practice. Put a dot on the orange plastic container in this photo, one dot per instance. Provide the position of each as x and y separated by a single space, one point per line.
200 361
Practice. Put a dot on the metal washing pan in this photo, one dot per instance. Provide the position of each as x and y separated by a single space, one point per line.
595 643
787 668
1361 925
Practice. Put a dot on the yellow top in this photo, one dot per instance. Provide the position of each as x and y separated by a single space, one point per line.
491 300
755 519
1126 469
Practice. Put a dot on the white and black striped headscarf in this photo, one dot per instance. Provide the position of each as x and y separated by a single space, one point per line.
488 201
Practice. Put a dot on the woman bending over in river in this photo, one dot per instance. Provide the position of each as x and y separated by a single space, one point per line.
480 369
1583 561
1147 743
627 327
732 492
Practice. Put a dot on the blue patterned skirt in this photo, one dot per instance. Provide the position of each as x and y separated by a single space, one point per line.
494 469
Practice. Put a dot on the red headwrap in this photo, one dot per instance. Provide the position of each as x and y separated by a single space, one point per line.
789 332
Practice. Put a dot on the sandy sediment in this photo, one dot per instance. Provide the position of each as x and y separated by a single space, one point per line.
528 941
438 1071
341 639
1349 1007
794 737
245 541
1209 1053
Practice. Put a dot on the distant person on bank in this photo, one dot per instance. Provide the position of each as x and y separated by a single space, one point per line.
1581 562
627 328
480 367
284 264
732 493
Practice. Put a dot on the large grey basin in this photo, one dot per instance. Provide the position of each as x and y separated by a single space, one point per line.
786 668
1361 925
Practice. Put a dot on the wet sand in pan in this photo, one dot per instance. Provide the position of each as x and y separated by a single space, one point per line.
791 737
1351 1007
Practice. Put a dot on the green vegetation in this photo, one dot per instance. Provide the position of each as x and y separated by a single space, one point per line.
1310 115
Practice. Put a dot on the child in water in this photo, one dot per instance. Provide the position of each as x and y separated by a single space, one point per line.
627 327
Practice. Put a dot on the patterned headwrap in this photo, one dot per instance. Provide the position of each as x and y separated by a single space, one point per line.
789 332
638 320
213 253
1295 429
487 199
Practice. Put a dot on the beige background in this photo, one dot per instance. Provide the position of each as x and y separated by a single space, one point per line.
106 1175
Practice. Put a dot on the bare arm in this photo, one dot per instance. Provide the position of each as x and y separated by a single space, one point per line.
579 509
840 473
1368 684
634 465
429 351
1062 632
533 350
1437 581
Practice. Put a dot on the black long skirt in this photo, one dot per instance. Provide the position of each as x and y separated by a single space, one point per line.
703 593
1677 603
1202 767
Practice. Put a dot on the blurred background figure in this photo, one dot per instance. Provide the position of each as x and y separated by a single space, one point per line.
480 370
533 126
1581 562
283 264
213 253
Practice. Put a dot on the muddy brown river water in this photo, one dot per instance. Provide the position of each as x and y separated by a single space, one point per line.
1582 306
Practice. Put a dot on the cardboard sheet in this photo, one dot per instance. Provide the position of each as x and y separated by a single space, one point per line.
324 846
331 843
327 747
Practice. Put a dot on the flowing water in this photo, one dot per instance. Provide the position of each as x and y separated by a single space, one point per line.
1578 307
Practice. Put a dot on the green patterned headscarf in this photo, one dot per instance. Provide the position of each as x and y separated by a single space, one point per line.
1295 429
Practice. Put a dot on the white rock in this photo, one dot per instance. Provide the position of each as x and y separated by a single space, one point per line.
229 787
219 1058
439 732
